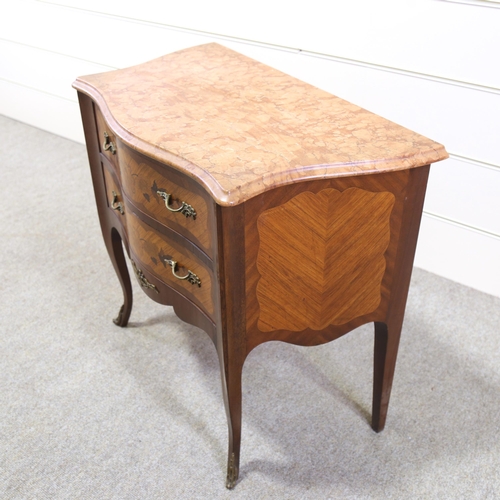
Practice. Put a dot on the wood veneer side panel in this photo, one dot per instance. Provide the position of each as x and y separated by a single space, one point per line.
394 182
331 244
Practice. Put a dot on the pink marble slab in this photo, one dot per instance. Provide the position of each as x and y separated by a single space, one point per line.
240 127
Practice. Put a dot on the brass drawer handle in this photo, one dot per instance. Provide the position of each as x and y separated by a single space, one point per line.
142 279
190 276
108 144
184 209
115 204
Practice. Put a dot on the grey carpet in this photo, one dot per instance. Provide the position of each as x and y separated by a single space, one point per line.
92 411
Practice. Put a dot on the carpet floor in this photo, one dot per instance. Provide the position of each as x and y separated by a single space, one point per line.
89 410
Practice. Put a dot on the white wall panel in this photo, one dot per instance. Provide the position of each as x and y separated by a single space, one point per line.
43 70
465 193
459 254
98 39
41 110
465 120
43 47
427 36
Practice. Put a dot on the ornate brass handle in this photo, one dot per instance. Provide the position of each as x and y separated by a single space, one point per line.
108 144
142 279
190 276
115 204
184 209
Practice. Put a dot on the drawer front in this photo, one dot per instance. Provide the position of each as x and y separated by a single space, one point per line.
113 194
153 251
169 197
106 138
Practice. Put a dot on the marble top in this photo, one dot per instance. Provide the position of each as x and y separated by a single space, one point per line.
240 127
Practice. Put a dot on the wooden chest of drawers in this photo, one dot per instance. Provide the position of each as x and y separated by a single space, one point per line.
260 207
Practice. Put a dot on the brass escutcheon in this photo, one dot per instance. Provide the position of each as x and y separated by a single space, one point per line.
142 279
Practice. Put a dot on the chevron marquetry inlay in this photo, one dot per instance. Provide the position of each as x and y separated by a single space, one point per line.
321 258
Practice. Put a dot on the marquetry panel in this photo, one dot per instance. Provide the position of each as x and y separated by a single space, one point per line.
321 258
152 248
142 178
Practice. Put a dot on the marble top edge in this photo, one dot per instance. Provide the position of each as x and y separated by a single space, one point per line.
240 127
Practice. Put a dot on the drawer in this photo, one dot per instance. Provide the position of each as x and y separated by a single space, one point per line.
169 197
192 277
106 138
113 194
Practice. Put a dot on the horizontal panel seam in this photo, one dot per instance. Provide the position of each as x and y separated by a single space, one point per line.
474 3
38 90
462 225
472 161
57 53
379 67
404 72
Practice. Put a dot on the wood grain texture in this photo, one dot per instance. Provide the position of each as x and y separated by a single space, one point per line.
232 345
142 177
241 128
321 258
151 248
112 232
388 330
184 308
390 189
308 207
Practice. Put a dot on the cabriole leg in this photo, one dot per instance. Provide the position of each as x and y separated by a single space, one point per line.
231 389
115 250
